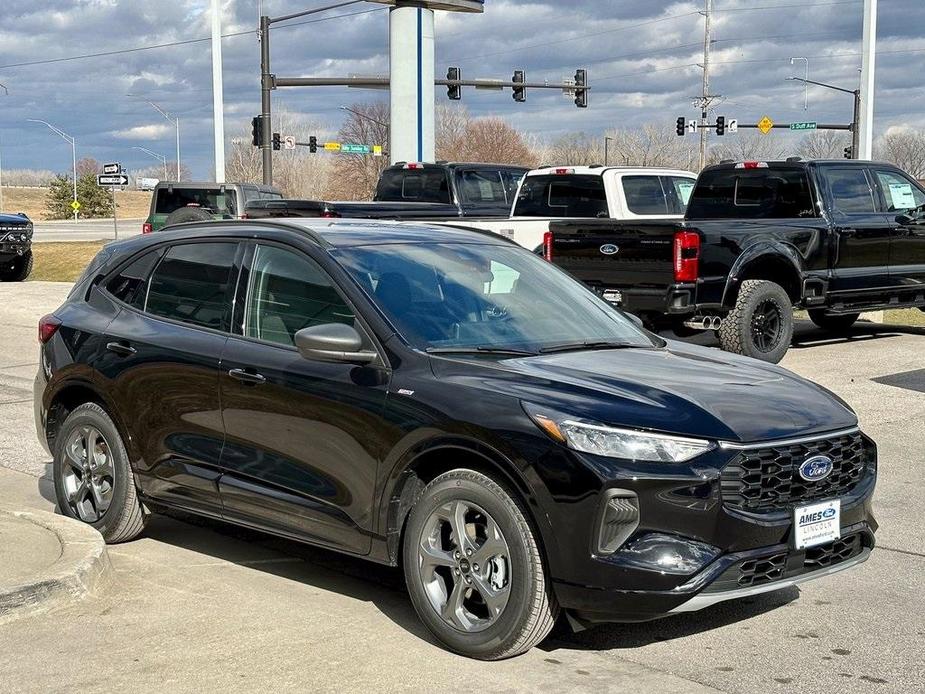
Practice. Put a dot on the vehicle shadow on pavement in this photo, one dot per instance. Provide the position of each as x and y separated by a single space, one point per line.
634 635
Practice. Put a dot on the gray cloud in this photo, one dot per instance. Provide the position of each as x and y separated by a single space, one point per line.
641 58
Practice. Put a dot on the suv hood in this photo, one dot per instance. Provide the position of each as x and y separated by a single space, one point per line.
681 389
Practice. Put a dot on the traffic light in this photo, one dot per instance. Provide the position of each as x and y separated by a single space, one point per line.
520 93
257 131
849 152
313 144
454 91
682 126
581 94
721 125
276 141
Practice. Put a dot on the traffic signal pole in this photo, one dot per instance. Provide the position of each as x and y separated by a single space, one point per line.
266 85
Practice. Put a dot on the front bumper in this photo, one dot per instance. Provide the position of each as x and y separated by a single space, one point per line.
720 542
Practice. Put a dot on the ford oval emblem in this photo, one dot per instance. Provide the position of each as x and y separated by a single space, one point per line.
816 468
610 249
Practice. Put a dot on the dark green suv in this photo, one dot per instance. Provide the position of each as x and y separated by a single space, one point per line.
176 203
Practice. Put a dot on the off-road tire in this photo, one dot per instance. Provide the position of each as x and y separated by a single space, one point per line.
17 269
835 323
125 518
736 332
185 215
531 611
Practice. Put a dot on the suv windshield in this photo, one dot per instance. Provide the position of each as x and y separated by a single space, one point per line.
562 196
170 199
485 297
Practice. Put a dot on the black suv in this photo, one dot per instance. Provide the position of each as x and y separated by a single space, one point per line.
15 247
446 401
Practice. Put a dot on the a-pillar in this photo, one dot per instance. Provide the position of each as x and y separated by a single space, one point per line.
411 74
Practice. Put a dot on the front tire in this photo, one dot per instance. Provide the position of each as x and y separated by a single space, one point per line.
761 323
474 569
835 323
93 479
17 269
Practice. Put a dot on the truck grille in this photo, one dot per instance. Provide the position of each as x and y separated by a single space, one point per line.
768 479
774 567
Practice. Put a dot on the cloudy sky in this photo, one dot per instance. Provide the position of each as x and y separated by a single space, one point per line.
641 56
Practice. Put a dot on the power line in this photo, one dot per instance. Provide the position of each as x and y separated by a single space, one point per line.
177 43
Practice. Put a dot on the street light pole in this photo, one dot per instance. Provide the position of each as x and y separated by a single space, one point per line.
73 142
364 116
806 77
160 157
172 119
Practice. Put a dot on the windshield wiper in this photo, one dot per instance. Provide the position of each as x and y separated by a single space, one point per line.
482 349
589 345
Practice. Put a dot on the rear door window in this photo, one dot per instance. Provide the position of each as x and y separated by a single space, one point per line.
193 284
851 190
752 194
562 196
482 187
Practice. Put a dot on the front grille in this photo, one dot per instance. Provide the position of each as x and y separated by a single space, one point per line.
781 565
768 479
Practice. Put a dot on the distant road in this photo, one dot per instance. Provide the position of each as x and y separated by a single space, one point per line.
84 230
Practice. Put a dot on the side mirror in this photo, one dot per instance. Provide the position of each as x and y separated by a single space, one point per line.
333 342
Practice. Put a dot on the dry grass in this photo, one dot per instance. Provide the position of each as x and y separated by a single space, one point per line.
62 262
132 204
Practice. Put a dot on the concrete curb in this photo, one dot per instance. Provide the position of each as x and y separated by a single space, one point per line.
82 568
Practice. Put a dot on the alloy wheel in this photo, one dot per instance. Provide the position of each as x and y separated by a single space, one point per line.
465 566
767 325
88 474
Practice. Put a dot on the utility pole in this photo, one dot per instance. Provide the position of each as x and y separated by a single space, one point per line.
865 124
706 99
218 98
7 92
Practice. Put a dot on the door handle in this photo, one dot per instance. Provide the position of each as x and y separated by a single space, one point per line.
121 348
248 377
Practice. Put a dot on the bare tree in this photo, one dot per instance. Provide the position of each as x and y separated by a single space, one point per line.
88 165
651 145
577 149
354 176
34 178
904 147
450 131
748 147
824 144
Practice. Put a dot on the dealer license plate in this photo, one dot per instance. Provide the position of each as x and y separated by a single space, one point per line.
816 524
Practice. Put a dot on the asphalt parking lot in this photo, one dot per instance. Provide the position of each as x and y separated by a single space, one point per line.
197 605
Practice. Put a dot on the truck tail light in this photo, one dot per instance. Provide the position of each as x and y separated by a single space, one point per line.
548 241
686 256
564 172
147 228
48 326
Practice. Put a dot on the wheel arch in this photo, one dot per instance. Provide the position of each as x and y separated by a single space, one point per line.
71 395
773 262
421 466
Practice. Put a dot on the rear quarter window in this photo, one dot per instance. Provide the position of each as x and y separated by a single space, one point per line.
752 194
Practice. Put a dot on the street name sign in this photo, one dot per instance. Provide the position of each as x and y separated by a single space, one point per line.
806 125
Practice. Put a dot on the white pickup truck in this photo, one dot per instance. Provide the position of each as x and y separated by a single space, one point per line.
603 192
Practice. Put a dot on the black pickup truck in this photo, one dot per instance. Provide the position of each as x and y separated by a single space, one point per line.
413 190
759 239
15 247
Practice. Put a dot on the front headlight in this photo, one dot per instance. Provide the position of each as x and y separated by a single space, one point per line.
613 442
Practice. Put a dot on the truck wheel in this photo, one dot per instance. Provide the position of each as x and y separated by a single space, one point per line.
18 269
761 323
835 323
474 569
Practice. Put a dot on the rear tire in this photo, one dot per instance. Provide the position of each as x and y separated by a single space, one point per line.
93 479
760 324
520 609
17 269
835 323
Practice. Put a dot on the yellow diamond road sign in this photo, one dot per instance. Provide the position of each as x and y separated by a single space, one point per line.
765 125
75 205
